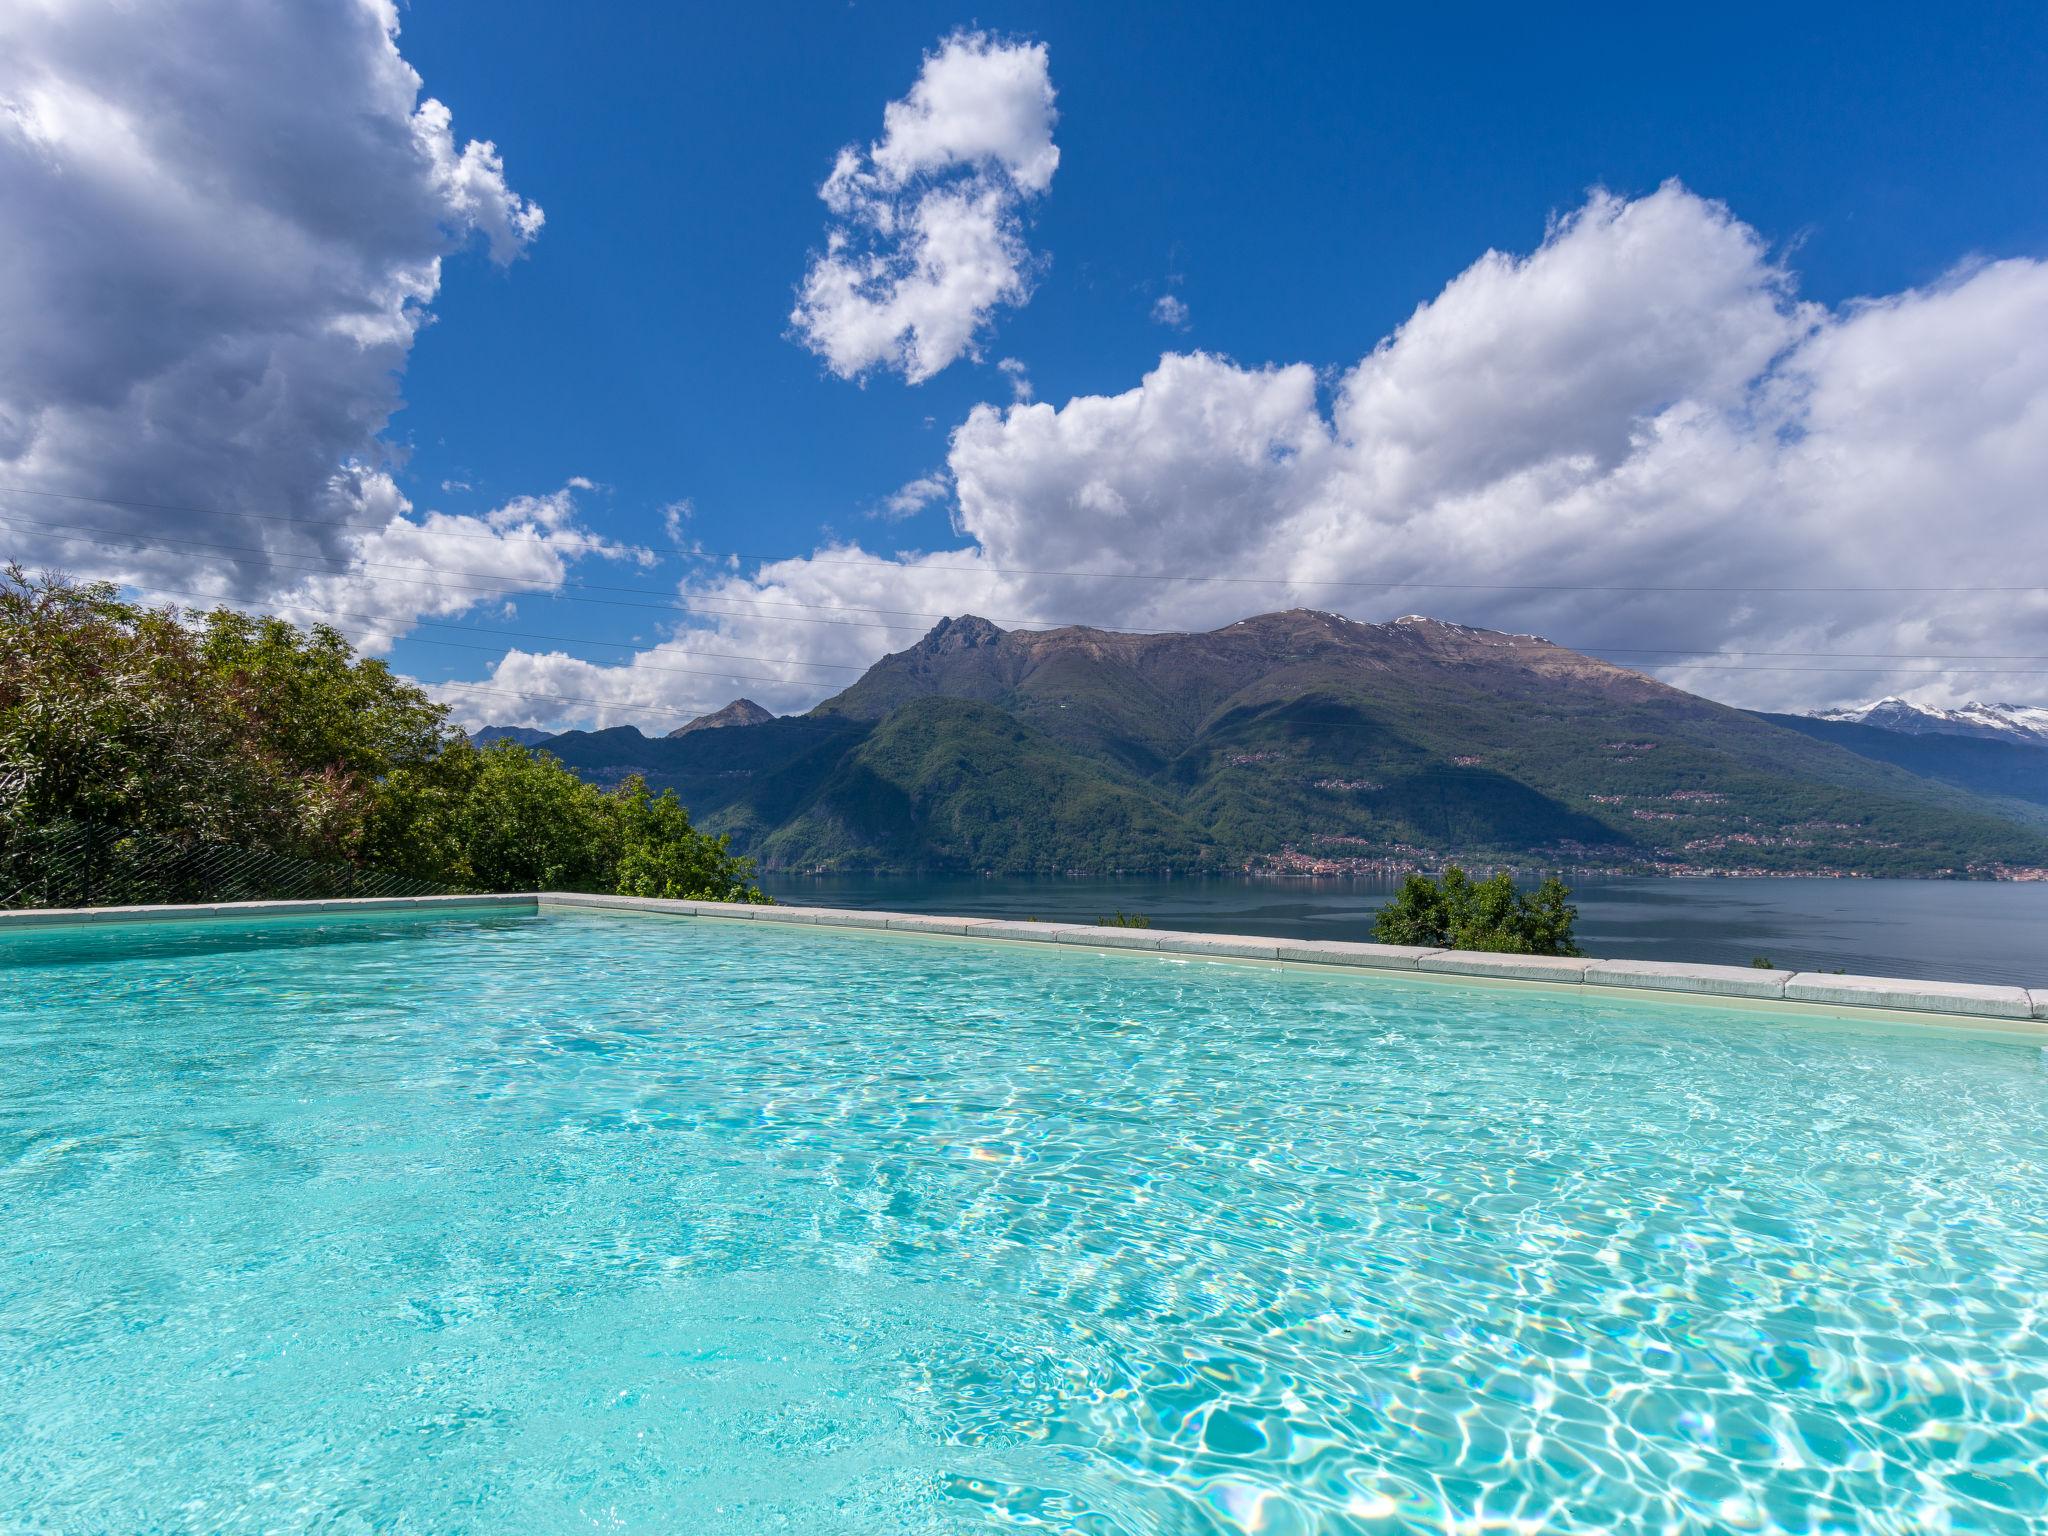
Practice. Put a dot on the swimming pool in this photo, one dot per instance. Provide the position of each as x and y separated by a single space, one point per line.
579 1223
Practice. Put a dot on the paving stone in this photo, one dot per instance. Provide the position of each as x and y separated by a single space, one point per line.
1219 946
1465 962
823 917
1034 933
651 905
1958 997
1710 980
919 922
1382 957
1102 937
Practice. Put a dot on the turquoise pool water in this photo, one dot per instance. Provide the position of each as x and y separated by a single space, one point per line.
599 1224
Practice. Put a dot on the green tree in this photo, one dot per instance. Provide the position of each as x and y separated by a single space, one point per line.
1458 912
503 818
105 715
252 732
667 857
310 701
495 819
224 728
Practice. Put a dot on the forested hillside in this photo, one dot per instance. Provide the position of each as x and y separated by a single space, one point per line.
1298 741
2009 770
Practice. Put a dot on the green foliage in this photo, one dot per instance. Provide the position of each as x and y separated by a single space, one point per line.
663 855
1459 912
1761 963
228 730
1124 920
507 818
960 784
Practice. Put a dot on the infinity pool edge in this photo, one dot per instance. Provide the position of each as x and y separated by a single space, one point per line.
1948 1003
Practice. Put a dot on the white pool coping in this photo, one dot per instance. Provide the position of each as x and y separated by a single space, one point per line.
1803 991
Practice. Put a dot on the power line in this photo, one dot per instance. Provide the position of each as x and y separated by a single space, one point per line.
561 698
1397 584
661 709
327 563
737 677
345 525
1604 652
509 587
1845 655
527 634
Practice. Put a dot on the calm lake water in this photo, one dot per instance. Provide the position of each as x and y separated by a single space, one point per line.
1934 929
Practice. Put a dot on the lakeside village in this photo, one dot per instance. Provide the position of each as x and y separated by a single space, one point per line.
1576 862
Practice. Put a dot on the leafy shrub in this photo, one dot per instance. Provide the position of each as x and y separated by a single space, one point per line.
1458 912
667 857
223 729
1124 920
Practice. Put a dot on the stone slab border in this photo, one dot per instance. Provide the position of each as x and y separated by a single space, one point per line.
68 917
1945 1001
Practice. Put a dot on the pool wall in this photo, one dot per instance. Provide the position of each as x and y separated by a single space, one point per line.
1947 1001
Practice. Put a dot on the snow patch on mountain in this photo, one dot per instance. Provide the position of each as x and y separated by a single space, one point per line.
2027 723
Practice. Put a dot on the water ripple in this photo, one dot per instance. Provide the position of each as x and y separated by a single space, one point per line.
581 1224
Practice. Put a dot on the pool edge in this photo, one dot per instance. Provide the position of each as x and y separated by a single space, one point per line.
1806 992
67 917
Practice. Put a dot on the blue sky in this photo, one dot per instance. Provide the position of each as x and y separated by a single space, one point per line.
1300 179
1310 173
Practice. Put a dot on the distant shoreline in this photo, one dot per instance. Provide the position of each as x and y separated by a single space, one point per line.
2007 876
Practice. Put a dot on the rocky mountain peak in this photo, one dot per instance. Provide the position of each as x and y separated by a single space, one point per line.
967 632
738 712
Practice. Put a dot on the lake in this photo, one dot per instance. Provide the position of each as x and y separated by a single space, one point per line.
1939 930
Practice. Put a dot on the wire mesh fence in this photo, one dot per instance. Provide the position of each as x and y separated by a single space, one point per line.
69 864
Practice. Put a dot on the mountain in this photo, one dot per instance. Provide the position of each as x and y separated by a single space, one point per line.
2005 769
525 735
1301 742
2024 723
738 712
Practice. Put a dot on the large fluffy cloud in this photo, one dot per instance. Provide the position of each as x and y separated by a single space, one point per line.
1635 439
225 220
927 234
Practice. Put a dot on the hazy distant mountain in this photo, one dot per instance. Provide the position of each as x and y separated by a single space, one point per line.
1296 741
525 735
738 712
2027 723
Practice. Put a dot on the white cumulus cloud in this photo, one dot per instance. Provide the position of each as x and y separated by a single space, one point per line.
927 236
1636 438
403 567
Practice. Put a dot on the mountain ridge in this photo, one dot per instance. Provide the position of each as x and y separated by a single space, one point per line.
525 735
1298 742
738 712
